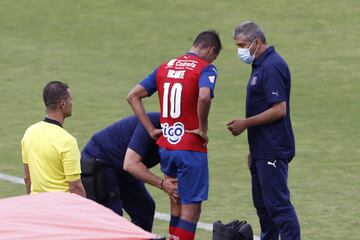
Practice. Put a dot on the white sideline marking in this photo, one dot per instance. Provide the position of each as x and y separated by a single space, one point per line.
160 216
11 178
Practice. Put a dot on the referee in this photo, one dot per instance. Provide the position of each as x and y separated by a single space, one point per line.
50 154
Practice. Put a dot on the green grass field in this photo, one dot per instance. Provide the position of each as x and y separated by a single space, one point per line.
103 48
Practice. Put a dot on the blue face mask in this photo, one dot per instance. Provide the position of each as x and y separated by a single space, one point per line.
245 56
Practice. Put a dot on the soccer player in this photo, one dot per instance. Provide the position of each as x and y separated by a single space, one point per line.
50 154
185 86
125 147
270 135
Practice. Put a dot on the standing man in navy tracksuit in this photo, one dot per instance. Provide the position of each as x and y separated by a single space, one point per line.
270 135
126 152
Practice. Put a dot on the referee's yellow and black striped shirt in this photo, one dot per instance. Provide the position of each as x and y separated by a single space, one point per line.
52 155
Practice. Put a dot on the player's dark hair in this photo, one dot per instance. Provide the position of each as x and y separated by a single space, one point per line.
207 39
53 93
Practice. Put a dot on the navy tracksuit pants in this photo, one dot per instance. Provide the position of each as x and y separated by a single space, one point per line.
128 193
125 192
271 199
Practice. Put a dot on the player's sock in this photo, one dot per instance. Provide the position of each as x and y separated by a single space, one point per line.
172 225
185 230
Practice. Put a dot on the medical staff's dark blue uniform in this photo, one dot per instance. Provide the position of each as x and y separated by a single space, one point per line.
126 192
272 147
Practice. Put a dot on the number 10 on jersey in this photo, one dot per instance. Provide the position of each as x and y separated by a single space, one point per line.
175 100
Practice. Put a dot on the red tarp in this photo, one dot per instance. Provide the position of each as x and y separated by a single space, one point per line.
59 215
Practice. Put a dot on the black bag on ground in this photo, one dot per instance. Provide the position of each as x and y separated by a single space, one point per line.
235 230
93 178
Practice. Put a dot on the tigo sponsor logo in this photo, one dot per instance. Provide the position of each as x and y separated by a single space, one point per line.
173 133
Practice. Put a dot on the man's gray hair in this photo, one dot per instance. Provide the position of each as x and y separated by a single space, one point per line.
250 30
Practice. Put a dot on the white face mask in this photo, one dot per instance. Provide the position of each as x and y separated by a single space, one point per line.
245 56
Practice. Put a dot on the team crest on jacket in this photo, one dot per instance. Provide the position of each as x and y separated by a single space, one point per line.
173 133
253 80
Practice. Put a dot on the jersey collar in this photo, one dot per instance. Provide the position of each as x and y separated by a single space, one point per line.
261 58
52 121
192 53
